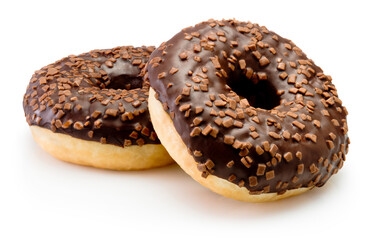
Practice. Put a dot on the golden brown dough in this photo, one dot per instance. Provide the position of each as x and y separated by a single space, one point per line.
95 154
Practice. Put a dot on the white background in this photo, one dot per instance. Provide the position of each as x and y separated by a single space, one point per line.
43 198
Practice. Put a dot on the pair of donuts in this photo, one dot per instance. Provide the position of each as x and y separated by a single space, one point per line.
242 110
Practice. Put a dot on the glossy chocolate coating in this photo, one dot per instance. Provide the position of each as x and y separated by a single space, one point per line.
250 106
97 96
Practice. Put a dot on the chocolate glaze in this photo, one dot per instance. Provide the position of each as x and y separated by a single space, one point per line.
97 96
259 114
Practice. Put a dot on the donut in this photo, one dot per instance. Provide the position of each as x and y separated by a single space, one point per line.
91 110
244 112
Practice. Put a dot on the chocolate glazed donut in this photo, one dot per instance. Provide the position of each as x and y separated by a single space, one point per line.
91 109
253 118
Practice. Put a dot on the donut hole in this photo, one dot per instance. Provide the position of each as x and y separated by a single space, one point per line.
259 93
125 82
123 76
